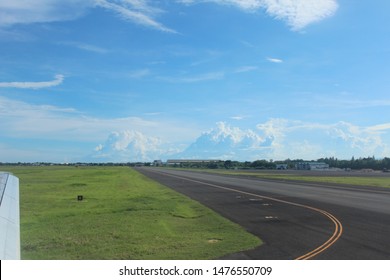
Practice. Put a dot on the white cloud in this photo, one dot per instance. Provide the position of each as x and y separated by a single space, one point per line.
297 13
275 139
248 5
300 13
274 128
37 11
204 77
349 102
274 60
138 12
33 85
244 69
128 146
138 74
23 120
341 139
361 138
237 118
223 131
30 121
85 47
211 76
380 127
226 142
136 138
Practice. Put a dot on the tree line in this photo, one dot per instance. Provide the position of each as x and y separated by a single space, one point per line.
360 163
354 163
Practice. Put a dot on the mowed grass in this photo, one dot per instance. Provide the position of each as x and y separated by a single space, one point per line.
370 181
124 215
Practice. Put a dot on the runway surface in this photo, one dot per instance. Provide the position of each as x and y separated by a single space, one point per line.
294 220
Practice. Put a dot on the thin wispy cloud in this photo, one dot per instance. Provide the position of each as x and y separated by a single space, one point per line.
380 127
274 60
34 85
196 78
39 11
348 102
247 44
204 77
296 13
138 12
85 47
138 74
244 69
237 118
25 120
249 5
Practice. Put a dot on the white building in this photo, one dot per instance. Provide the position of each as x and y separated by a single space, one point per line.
311 166
189 161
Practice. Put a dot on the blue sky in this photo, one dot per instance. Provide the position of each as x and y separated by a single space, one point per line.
129 80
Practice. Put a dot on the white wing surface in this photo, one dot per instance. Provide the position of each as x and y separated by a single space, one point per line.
9 217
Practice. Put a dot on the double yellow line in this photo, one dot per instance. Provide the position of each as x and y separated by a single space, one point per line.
338 230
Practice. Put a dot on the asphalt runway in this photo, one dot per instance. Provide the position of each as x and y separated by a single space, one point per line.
294 220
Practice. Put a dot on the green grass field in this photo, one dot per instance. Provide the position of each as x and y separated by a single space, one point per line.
124 215
370 181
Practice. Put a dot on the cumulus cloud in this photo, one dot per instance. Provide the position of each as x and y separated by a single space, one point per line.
299 139
136 139
225 142
33 85
282 138
128 146
23 120
363 138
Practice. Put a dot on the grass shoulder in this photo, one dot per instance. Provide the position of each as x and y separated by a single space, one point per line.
123 215
361 179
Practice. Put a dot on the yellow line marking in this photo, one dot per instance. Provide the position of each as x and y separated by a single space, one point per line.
338 226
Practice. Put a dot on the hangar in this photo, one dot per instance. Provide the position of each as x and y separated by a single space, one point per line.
191 161
311 165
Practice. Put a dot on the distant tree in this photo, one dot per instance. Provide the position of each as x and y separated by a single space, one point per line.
228 164
263 164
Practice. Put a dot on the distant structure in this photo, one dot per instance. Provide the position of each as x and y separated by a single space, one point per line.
9 217
158 162
311 166
189 161
282 166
